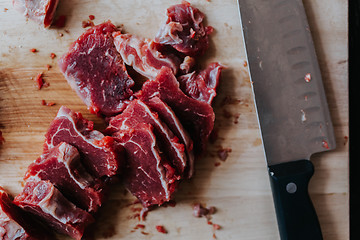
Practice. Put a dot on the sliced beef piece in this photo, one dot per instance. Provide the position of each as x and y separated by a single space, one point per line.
167 115
42 199
40 11
196 116
202 85
100 154
144 55
63 168
95 70
17 224
184 30
148 176
137 113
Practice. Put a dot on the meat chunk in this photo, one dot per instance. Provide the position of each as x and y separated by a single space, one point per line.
196 116
17 224
62 167
101 155
137 113
167 115
95 70
144 55
184 30
40 11
148 175
202 85
42 199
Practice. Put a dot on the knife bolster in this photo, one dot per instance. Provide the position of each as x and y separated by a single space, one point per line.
296 216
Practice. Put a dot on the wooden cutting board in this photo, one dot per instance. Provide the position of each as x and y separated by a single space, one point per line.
239 187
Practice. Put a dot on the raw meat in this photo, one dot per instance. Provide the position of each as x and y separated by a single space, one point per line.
62 167
144 55
42 199
40 11
167 115
136 113
17 224
100 154
95 70
197 117
148 176
184 30
202 85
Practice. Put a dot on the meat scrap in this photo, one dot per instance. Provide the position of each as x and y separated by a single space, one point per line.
196 116
199 210
144 55
202 85
137 113
17 224
42 199
62 167
184 30
148 175
101 155
95 70
41 12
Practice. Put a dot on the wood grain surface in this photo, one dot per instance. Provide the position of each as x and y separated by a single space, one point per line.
239 187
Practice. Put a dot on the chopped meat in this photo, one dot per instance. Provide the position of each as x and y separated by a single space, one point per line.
17 224
167 115
100 154
160 229
144 55
42 199
137 113
95 70
40 11
62 167
148 176
200 211
202 85
197 117
184 30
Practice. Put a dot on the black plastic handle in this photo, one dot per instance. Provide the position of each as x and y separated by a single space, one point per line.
296 216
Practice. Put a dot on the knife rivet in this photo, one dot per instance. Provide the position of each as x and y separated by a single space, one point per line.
291 187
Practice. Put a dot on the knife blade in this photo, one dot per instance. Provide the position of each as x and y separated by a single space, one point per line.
291 105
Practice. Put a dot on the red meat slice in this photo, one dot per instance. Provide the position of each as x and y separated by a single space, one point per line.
148 175
196 116
40 11
167 115
144 55
202 85
17 224
42 199
62 167
137 113
101 155
95 70
184 30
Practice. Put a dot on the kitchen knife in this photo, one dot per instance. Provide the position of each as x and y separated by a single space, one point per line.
291 105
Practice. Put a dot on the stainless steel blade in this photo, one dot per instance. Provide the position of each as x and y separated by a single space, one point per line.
286 80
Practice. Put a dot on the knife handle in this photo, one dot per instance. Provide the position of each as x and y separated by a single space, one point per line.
296 216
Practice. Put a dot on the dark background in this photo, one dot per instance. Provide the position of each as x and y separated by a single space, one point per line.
354 77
